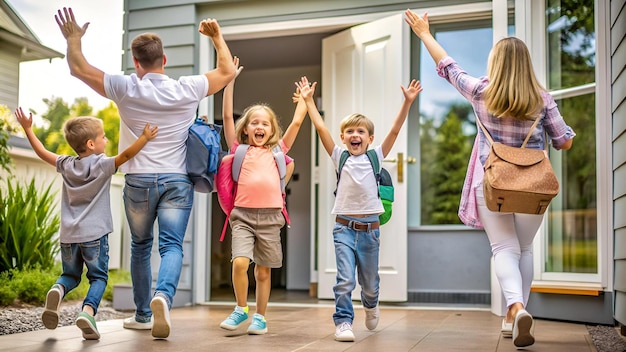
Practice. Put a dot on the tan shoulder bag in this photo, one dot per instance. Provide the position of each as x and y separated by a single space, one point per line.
518 180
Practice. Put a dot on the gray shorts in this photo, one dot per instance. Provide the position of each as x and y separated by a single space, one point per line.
256 235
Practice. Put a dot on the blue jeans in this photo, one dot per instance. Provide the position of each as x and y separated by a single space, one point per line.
166 198
95 256
355 250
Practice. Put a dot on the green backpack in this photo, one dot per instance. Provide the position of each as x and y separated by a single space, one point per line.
383 179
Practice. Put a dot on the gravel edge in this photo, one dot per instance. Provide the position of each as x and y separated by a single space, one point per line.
14 320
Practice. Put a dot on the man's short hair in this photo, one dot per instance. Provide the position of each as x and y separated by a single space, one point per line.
147 48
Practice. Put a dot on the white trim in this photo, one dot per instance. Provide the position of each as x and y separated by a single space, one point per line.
440 14
574 91
500 20
604 143
201 223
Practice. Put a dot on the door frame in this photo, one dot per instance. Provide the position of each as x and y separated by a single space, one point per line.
441 14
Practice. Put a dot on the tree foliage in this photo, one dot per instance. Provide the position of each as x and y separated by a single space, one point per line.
5 128
59 111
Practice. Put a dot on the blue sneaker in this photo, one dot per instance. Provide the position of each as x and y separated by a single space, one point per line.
258 326
238 316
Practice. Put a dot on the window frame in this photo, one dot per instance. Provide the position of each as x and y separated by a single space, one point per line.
530 26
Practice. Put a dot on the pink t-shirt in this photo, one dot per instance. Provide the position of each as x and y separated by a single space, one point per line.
259 181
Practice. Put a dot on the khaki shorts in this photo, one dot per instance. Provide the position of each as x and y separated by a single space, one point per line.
256 235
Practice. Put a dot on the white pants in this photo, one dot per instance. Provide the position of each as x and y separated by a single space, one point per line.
511 237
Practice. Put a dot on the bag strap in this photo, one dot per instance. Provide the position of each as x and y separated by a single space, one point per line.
371 154
532 128
281 163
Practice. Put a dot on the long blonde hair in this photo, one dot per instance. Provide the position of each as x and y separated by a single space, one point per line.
513 90
277 132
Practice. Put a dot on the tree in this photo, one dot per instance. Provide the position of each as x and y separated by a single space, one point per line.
5 159
58 112
111 118
448 169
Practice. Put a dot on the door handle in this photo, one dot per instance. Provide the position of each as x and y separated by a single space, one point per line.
400 160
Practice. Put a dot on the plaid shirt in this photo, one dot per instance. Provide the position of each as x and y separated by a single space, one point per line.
504 130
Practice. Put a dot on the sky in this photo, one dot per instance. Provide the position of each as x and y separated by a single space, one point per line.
102 47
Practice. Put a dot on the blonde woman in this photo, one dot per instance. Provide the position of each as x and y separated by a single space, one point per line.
507 101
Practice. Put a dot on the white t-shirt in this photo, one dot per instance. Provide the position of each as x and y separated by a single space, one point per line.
158 100
357 191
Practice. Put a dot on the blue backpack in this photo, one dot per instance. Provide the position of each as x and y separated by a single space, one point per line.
383 180
204 154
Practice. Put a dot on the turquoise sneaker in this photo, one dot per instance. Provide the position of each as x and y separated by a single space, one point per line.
258 326
238 316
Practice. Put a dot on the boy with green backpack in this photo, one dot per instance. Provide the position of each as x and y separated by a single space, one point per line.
358 206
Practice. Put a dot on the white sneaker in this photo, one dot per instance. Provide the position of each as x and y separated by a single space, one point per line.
132 323
507 329
371 317
343 332
523 327
50 315
160 317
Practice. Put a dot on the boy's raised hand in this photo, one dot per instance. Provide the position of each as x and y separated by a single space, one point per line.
411 92
25 121
306 89
150 132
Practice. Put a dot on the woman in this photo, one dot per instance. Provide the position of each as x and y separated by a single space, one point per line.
507 101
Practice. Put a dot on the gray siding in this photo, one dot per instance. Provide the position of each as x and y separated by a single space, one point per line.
175 22
9 74
618 109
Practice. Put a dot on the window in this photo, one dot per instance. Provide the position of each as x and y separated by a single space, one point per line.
447 125
571 243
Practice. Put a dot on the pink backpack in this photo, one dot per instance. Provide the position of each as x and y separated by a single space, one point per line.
228 175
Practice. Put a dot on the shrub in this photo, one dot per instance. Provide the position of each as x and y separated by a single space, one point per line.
32 285
28 224
7 294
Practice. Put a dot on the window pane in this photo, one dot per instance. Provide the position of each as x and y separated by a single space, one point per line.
571 43
447 127
572 245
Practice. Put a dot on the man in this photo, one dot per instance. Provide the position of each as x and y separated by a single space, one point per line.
157 186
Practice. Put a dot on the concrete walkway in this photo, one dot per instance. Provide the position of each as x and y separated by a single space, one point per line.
309 327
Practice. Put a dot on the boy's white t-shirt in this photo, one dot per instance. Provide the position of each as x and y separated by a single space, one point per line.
357 191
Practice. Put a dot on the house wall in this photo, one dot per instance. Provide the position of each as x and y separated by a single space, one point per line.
618 109
9 74
437 266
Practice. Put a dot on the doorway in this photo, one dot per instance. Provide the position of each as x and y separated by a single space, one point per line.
271 66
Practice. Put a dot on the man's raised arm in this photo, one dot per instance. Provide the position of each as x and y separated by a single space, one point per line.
79 67
224 70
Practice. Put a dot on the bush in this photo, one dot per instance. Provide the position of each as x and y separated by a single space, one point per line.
7 294
28 225
32 285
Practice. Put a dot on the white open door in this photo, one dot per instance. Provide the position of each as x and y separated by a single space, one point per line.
362 70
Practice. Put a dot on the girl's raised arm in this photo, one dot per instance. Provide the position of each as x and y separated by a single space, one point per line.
227 106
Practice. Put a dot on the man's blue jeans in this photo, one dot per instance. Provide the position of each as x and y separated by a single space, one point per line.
355 251
166 198
95 256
